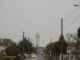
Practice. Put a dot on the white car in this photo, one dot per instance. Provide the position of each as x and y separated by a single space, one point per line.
33 55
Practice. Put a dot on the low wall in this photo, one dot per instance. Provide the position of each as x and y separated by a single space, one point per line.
72 59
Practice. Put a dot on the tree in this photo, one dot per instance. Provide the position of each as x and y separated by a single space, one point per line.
2 51
58 45
13 49
68 36
78 34
78 40
50 47
13 43
71 37
27 45
55 47
16 50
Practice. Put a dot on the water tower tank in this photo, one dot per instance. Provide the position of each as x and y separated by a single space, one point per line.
37 39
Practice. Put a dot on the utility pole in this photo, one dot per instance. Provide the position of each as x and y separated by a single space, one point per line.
50 49
61 38
23 43
28 45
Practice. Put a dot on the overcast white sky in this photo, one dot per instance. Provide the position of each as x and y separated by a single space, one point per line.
38 16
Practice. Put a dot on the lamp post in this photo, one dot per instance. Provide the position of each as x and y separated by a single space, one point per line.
76 5
77 37
23 44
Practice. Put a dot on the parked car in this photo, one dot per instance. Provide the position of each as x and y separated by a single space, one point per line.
41 54
19 57
33 55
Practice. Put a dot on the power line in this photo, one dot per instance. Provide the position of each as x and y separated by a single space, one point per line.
51 32
71 15
14 37
49 28
73 12
72 22
64 27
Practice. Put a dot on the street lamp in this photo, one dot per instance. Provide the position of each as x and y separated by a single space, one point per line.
77 37
76 5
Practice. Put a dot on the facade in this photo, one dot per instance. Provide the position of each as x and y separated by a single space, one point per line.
71 47
4 43
40 49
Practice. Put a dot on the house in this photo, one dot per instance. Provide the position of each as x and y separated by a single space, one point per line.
71 43
71 47
4 43
40 49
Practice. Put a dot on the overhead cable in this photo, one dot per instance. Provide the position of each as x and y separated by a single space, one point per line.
51 32
14 37
72 22
49 28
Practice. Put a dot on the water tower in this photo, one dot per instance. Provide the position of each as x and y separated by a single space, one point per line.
37 39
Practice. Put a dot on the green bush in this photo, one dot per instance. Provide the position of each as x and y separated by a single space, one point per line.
4 57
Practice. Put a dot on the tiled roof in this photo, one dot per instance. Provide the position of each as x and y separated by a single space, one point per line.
40 47
5 42
71 43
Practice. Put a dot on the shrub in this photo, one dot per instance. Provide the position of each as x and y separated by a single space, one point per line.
8 58
4 57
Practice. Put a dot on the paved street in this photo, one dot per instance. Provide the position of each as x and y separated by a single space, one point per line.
39 57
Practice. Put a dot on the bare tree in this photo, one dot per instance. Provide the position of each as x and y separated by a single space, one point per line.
68 37
71 37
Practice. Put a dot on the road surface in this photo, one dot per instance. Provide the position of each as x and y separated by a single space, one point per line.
40 56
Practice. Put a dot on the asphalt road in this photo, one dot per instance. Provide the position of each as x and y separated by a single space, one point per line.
39 57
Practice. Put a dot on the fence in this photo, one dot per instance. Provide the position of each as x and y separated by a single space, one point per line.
69 56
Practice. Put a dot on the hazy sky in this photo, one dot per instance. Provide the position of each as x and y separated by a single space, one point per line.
38 16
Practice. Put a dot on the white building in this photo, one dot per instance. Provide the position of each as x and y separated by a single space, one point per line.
37 39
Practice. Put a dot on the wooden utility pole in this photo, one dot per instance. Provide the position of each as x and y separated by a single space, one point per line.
23 42
50 49
61 38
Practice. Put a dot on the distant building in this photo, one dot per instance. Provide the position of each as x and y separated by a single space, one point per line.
40 49
72 46
37 39
4 43
71 43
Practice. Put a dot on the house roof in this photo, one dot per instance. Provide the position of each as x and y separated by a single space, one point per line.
40 47
5 42
71 43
